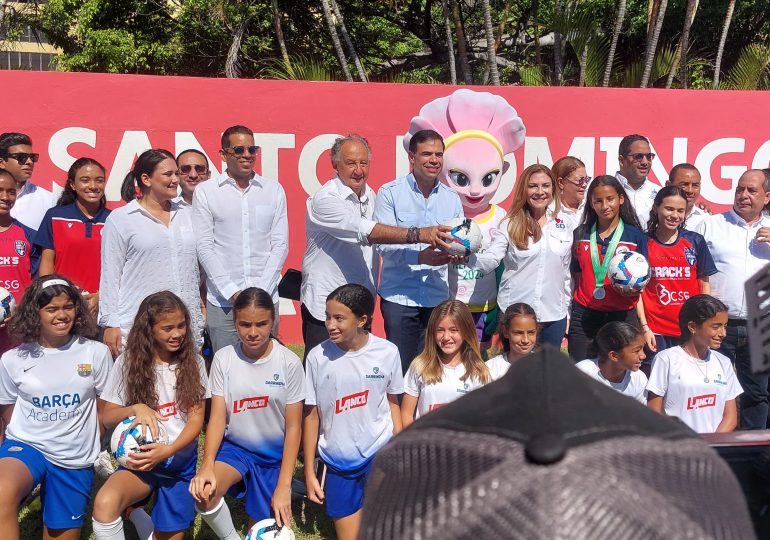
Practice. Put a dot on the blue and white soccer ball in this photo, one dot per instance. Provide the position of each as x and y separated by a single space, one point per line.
7 304
267 529
466 237
629 272
125 441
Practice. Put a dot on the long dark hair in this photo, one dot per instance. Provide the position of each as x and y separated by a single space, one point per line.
698 309
668 191
68 196
25 321
144 164
627 213
139 376
615 336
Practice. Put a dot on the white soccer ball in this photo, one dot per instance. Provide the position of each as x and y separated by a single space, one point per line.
125 441
466 237
7 304
267 529
629 272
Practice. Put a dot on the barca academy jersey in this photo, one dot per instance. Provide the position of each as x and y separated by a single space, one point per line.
675 270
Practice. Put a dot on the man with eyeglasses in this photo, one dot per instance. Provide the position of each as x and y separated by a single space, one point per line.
242 232
341 232
193 169
17 157
635 160
687 177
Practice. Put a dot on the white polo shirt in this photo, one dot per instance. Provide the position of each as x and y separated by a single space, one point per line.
337 225
243 235
141 256
535 275
32 202
737 254
693 220
641 199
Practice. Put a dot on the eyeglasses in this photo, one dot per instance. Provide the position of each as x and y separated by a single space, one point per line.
240 150
185 169
23 157
639 155
582 181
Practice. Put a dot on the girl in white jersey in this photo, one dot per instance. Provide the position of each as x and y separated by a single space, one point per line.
518 332
449 366
48 397
620 348
693 381
159 378
253 433
351 409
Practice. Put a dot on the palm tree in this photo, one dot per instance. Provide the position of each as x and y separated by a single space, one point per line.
684 44
336 40
449 43
348 41
279 32
462 50
652 43
491 56
621 14
722 40
557 44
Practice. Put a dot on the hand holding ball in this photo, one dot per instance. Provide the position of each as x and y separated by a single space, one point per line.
466 237
125 441
629 272
7 304
268 529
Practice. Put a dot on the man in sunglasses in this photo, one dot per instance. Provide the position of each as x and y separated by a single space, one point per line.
635 160
242 233
17 157
193 169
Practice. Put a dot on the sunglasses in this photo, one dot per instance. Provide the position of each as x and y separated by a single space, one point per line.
185 169
23 157
583 181
639 155
240 150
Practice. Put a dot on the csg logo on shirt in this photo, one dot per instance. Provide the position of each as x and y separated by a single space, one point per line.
352 401
168 410
701 402
250 404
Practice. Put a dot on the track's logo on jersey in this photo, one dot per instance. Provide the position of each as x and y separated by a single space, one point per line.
352 401
375 374
84 370
701 402
20 247
689 254
250 404
168 410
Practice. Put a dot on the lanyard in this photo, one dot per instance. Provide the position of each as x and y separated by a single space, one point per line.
600 270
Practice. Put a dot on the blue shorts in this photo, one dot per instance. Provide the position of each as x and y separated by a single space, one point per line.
259 479
174 508
65 493
344 490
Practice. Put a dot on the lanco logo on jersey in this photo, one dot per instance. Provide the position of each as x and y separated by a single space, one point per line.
250 403
352 401
168 410
700 402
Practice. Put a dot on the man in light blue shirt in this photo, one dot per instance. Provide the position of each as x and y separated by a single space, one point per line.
414 277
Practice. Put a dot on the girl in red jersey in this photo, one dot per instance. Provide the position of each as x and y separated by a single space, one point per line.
680 264
609 223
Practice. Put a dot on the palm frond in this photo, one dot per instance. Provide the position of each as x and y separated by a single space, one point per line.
750 71
299 68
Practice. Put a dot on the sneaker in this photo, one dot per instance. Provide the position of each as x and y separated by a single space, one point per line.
103 466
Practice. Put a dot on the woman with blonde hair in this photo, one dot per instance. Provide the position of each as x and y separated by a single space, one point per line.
534 243
449 366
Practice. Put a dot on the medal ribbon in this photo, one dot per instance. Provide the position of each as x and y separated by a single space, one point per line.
600 270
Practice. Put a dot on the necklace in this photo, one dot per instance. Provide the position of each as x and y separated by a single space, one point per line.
706 373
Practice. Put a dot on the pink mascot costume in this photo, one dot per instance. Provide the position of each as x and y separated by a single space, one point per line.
479 129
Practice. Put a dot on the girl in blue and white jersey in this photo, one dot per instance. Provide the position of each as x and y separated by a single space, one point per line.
353 380
253 434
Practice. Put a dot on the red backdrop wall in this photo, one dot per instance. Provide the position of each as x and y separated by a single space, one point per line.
113 118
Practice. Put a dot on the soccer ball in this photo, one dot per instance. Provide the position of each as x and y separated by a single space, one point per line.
125 442
268 529
466 237
7 304
629 272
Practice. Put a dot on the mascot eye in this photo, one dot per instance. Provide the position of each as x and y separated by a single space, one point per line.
459 178
489 178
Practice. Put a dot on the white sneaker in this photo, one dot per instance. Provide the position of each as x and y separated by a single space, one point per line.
103 466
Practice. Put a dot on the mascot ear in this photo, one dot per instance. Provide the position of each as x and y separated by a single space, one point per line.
510 134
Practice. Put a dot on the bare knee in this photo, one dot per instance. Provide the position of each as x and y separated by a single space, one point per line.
209 504
108 505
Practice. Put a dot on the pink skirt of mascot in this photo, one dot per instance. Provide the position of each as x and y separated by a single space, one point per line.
479 130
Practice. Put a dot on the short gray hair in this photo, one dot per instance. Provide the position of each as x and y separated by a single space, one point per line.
350 137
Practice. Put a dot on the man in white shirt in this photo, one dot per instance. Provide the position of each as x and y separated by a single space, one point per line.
739 241
340 233
242 233
17 157
635 160
687 177
193 169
